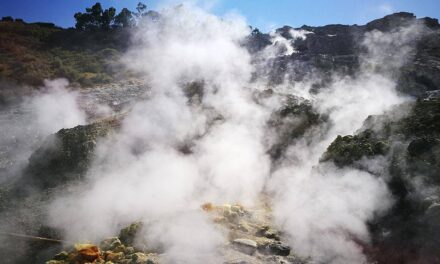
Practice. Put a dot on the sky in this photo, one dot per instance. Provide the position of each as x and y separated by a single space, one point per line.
264 14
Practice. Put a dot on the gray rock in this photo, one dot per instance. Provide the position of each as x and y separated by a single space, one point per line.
110 243
268 232
141 258
274 248
128 234
64 156
236 262
244 245
129 250
63 255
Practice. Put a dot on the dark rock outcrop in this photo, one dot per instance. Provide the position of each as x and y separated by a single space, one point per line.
274 248
412 146
290 122
345 150
64 156
391 22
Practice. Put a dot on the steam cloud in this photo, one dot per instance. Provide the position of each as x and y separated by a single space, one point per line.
142 173
52 107
56 107
320 206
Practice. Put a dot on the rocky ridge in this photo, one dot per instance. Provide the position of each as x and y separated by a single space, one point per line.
336 48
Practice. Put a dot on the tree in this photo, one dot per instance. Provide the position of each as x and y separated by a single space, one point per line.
107 18
7 19
141 9
95 18
255 32
95 14
124 18
81 20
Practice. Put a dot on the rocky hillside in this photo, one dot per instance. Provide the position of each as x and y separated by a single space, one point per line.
32 52
409 232
337 48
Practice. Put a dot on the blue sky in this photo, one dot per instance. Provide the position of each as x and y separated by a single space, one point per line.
264 14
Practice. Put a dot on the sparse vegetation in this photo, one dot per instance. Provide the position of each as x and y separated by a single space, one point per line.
347 149
87 55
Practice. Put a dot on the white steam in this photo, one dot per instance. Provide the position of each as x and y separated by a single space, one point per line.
325 209
55 107
24 125
141 173
391 50
282 46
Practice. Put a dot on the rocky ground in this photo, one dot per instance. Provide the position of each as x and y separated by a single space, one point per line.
251 240
118 96
18 137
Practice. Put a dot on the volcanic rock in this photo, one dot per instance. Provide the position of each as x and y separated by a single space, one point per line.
246 246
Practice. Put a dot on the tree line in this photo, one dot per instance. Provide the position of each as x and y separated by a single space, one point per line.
97 18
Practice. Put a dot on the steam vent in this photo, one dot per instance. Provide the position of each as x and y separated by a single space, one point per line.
206 132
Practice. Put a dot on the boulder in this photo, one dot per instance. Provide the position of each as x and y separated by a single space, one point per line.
56 262
141 258
128 234
345 150
85 253
64 156
129 250
268 232
110 243
114 256
274 248
244 245
63 255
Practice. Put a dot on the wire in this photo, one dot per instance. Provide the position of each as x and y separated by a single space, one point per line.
33 237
